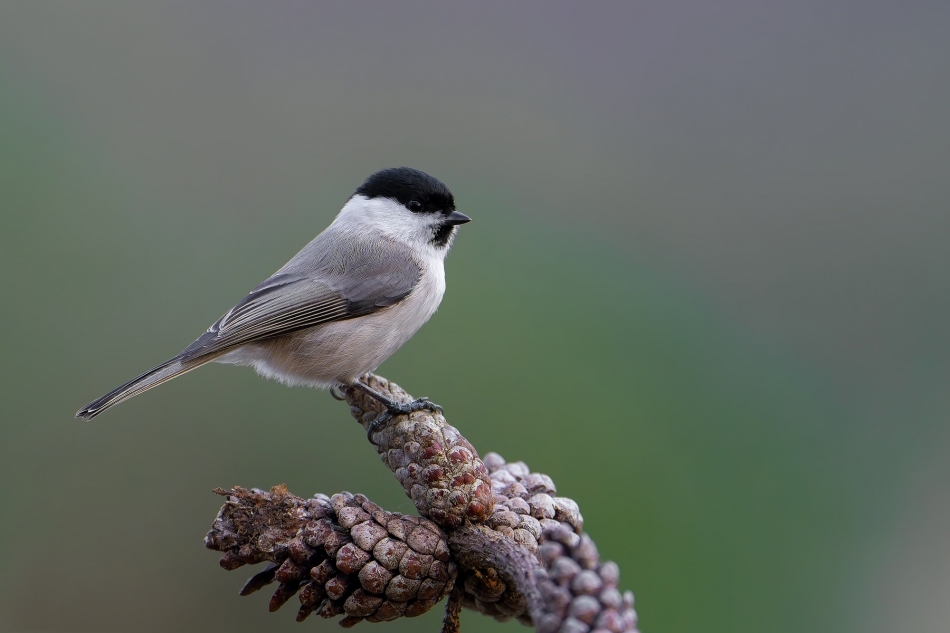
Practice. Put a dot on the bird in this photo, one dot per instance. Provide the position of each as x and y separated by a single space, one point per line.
342 305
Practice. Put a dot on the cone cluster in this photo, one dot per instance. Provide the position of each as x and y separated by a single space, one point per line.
343 555
437 467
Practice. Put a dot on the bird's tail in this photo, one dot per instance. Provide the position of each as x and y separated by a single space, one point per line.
152 378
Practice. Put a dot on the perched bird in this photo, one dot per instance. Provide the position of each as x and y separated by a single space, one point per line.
343 304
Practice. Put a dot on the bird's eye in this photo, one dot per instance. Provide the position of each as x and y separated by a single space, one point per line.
415 206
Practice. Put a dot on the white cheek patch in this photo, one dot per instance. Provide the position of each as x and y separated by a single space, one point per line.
389 218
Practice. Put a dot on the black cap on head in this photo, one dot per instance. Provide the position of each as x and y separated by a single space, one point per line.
405 185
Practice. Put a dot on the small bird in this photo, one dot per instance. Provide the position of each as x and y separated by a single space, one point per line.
342 305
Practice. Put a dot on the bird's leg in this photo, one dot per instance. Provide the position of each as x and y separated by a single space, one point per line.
393 408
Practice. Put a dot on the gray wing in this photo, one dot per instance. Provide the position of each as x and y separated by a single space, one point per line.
318 286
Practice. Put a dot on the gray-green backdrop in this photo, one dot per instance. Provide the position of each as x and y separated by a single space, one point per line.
705 289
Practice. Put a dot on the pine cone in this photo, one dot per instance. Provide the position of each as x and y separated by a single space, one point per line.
580 593
525 502
437 467
525 506
344 554
528 511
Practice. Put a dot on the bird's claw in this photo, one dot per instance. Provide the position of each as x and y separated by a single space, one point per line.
399 408
420 404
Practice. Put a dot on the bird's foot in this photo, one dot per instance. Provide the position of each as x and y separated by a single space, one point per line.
394 408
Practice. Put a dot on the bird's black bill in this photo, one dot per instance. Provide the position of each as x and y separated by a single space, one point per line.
455 218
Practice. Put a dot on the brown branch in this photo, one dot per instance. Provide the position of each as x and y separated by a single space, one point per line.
493 537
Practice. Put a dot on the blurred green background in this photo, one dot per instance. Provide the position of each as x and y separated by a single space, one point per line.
706 290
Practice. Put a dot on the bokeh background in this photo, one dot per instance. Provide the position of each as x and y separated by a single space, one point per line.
706 289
